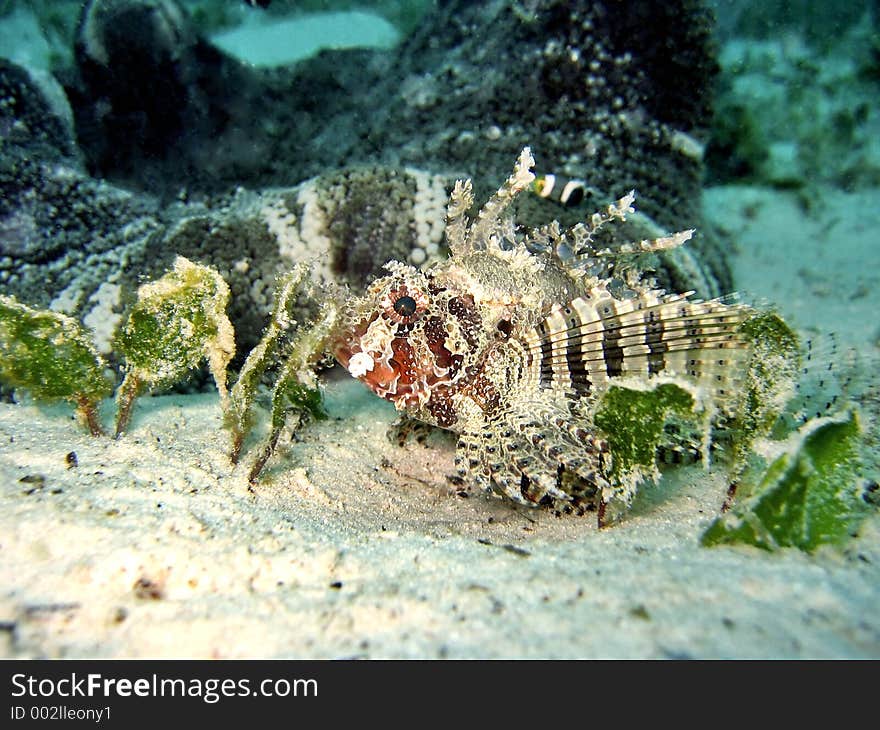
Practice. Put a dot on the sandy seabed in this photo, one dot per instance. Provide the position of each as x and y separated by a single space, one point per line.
353 546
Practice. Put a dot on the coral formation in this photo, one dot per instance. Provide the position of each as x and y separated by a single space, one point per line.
305 142
79 244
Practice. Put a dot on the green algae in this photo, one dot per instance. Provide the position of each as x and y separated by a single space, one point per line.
642 419
178 322
53 357
633 421
813 494
239 418
297 391
771 376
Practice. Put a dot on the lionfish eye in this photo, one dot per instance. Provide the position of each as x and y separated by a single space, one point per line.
405 306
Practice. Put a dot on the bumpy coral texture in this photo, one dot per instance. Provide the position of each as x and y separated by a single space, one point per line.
164 146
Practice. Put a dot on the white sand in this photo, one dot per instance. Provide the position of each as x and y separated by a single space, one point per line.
153 546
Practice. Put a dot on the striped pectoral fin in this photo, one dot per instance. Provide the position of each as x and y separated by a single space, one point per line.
580 346
536 451
500 456
562 459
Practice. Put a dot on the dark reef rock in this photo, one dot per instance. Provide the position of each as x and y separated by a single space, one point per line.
155 102
615 92
248 170
81 245
34 113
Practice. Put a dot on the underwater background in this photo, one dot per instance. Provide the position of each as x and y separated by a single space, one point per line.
251 139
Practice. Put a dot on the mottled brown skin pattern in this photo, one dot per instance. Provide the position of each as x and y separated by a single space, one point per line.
510 345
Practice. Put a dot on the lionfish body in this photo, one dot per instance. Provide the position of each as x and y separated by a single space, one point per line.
510 343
